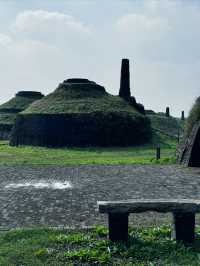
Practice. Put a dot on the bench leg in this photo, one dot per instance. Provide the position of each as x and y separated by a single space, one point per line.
118 226
184 226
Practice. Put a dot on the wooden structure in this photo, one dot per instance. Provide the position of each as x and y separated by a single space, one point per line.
183 215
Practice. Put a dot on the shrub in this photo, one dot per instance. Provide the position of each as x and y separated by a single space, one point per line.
194 116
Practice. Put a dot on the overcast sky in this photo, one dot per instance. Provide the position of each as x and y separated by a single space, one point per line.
41 44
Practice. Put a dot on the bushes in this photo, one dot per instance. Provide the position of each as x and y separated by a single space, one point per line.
194 116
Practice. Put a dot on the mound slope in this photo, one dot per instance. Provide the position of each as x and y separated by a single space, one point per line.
10 109
80 113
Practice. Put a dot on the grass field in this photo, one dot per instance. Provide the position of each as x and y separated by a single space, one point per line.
146 247
28 155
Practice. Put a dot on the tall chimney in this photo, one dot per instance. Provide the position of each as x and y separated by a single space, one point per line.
167 114
183 115
124 91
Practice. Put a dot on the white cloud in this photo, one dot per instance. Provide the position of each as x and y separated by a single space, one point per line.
161 31
29 65
142 34
139 23
5 39
162 38
40 21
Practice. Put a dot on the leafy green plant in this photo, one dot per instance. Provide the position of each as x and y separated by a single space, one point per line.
41 253
98 252
73 238
146 246
100 230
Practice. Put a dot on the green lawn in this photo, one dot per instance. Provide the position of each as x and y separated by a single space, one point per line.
27 155
146 247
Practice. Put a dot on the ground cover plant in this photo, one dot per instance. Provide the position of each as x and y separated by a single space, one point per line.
146 247
29 155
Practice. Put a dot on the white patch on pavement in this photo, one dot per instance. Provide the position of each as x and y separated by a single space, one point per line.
40 185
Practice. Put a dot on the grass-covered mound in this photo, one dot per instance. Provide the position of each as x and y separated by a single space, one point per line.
10 109
20 102
165 129
81 113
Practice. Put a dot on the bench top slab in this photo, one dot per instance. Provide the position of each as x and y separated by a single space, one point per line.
142 205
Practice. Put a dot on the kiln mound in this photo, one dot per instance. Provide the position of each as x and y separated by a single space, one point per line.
80 113
10 109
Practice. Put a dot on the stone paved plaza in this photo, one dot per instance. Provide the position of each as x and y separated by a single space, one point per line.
24 203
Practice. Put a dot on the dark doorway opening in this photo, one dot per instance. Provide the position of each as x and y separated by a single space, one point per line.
194 159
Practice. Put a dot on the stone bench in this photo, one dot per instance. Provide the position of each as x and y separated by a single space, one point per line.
183 216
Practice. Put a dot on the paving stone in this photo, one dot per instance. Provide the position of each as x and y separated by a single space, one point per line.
76 207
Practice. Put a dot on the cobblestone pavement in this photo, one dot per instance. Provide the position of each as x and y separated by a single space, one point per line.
76 206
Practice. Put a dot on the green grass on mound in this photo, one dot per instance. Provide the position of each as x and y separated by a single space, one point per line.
18 102
7 118
168 126
146 247
79 100
28 155
9 110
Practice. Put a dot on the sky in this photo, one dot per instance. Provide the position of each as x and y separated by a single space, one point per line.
45 42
